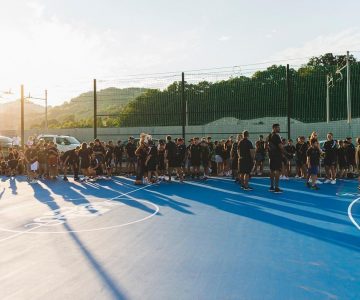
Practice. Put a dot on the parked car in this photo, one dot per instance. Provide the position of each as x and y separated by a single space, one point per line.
5 143
63 142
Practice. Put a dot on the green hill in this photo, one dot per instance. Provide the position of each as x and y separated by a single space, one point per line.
78 112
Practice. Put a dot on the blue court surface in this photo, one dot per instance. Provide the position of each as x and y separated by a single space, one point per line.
195 240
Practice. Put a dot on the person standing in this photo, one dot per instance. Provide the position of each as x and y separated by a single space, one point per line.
246 158
330 160
235 159
350 154
170 155
276 150
313 162
290 154
357 159
260 153
118 152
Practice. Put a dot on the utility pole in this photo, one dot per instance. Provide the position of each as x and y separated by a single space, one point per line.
22 126
348 88
46 111
95 110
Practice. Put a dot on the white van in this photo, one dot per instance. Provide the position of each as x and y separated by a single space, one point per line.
63 142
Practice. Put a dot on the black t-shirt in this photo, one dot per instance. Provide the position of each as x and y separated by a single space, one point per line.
261 148
301 150
350 152
219 150
99 150
84 154
195 152
205 153
342 155
33 155
42 155
170 147
154 154
118 150
289 151
274 145
109 152
330 150
314 155
234 152
130 149
181 152
244 147
71 155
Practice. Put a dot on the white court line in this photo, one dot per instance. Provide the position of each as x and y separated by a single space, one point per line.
157 209
350 213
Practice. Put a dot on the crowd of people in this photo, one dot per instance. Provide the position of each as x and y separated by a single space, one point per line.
151 160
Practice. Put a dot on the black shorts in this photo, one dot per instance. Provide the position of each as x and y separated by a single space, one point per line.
245 166
172 163
235 164
161 166
300 162
195 162
151 166
329 162
276 163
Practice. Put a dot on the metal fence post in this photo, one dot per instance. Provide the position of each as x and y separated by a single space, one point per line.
183 104
95 110
289 100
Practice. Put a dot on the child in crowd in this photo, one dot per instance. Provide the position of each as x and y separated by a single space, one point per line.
313 161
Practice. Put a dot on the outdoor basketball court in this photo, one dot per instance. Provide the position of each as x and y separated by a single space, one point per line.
196 240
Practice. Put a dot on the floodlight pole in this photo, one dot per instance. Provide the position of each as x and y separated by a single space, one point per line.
183 105
327 98
348 88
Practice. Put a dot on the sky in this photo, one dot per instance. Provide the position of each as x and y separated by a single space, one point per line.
63 45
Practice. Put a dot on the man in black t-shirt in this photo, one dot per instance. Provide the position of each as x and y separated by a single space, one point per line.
195 157
275 149
99 151
290 151
235 159
118 153
300 154
130 149
205 157
350 154
170 155
246 152
71 158
330 159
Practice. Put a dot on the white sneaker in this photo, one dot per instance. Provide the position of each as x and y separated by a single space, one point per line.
286 178
333 181
327 181
318 182
297 176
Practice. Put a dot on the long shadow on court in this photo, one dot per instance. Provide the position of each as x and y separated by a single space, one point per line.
256 206
44 196
103 275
